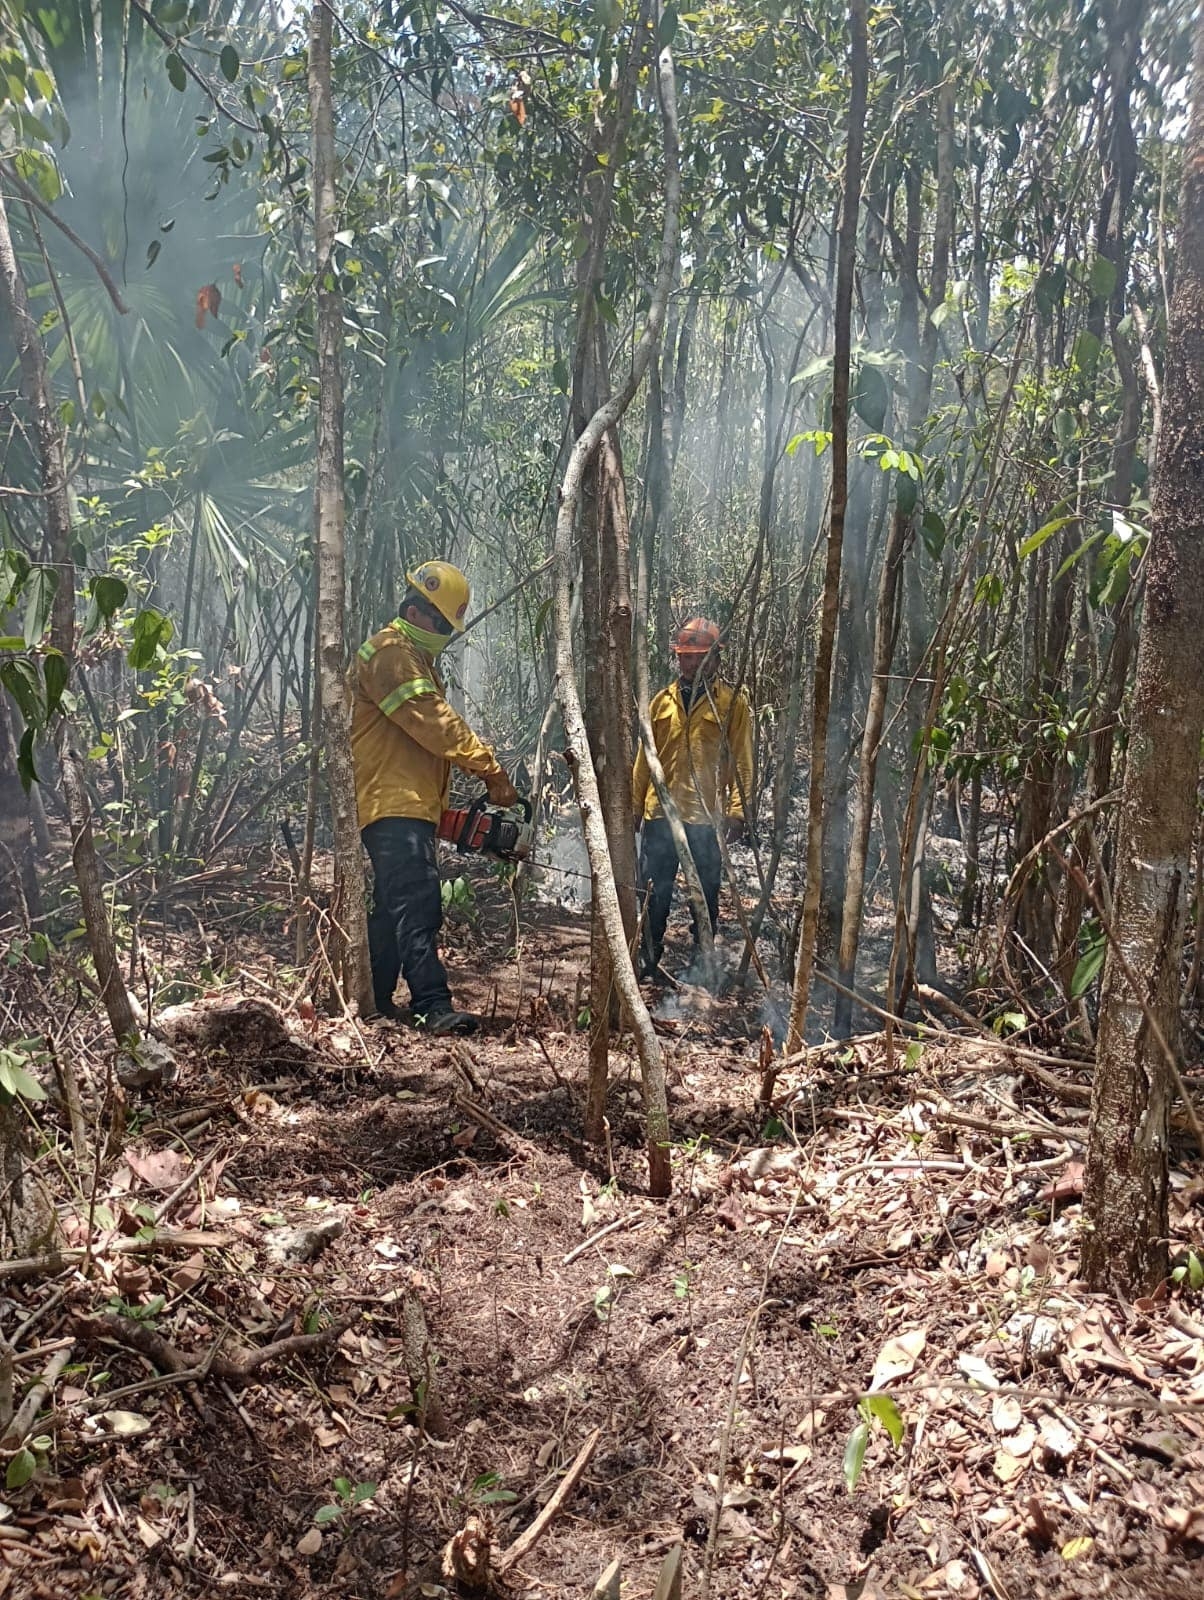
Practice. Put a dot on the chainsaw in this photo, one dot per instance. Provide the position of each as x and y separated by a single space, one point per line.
484 829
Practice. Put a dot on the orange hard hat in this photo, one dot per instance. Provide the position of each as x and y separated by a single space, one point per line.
698 637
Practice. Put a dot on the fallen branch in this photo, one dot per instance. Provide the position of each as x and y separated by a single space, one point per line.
595 1238
530 1537
24 1418
472 1108
232 1369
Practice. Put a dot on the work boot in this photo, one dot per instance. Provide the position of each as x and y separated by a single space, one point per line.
448 1021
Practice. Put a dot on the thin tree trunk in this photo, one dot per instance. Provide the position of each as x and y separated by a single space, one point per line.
351 940
577 753
886 621
52 458
842 320
1125 1194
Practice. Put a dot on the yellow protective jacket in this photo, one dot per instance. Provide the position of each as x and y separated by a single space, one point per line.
702 750
405 738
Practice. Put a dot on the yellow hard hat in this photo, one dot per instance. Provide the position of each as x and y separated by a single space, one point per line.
445 587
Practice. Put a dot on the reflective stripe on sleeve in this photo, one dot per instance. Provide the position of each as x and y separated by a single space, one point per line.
406 691
366 651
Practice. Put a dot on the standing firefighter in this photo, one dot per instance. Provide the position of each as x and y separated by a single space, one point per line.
703 734
405 739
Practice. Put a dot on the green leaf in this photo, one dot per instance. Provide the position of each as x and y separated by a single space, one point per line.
667 29
871 395
55 673
932 530
15 1080
109 593
175 72
1081 551
854 1454
327 1514
363 1491
1195 1271
40 588
229 63
1088 967
20 677
888 1414
560 376
988 590
1086 351
1036 540
20 1470
906 491
1051 289
1103 278
813 369
151 629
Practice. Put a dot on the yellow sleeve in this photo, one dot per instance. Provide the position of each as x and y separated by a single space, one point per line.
396 681
640 779
740 740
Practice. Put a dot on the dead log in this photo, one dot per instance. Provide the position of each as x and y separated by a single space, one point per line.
237 1368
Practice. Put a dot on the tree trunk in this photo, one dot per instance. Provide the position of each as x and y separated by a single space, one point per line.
1125 1195
577 753
52 459
886 621
349 947
843 319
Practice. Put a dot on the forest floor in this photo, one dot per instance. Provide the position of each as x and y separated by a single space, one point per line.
904 1226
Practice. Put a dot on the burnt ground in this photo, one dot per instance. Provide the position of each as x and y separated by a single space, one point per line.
904 1224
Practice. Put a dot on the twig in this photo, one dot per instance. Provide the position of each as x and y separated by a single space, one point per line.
102 272
32 1404
477 1112
611 1227
531 1536
182 1189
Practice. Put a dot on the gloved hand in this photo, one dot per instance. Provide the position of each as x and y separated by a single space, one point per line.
735 830
500 790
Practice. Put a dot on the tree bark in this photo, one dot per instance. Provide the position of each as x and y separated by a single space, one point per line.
1125 1194
350 946
886 621
577 751
52 459
842 332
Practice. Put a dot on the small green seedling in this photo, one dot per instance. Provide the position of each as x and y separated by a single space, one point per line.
876 1410
350 1495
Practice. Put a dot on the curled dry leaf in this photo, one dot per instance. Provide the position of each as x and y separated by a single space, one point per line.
160 1169
897 1357
1006 1413
1007 1467
125 1424
1067 1187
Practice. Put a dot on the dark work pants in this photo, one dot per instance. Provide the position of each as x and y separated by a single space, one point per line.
407 913
659 864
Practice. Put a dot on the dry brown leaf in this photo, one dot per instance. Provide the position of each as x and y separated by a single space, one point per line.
160 1169
1057 1438
328 1437
897 1357
310 1542
1007 1467
1006 1413
1067 1187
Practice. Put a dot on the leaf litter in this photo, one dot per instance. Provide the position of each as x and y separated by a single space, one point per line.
874 1258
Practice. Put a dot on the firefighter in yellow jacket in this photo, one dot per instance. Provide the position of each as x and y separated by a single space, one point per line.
405 739
702 730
